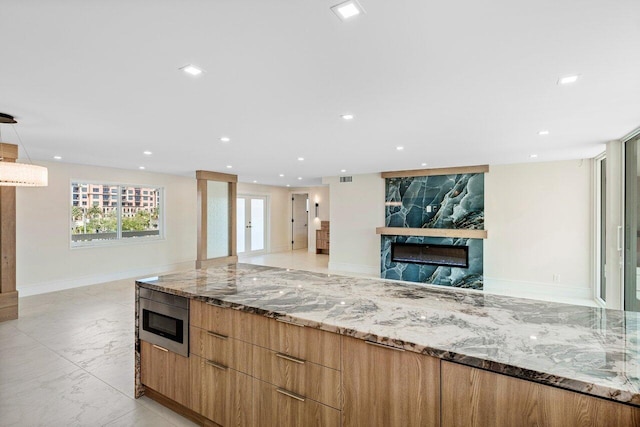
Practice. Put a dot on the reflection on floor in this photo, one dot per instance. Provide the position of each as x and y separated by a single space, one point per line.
68 359
300 259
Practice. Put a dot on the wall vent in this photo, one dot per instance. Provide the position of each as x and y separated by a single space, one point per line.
346 179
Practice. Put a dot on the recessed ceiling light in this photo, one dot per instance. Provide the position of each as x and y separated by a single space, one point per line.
299 178
288 185
225 139
423 164
399 148
229 166
568 79
543 132
254 181
141 167
192 70
301 159
347 116
147 153
343 170
533 156
57 157
347 9
281 175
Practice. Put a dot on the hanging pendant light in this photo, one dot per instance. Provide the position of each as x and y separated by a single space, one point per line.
19 174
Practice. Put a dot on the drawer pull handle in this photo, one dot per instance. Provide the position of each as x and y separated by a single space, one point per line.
289 322
384 346
290 394
160 348
217 335
290 358
216 365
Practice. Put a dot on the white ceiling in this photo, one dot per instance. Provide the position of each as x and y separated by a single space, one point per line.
454 82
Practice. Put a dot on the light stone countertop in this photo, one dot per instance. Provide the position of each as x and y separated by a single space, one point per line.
586 349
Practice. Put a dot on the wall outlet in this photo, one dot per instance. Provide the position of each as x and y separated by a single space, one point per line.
429 209
556 278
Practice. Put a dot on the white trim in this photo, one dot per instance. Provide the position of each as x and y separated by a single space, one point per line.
355 268
597 225
62 284
569 294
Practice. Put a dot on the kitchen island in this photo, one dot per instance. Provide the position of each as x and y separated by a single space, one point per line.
435 356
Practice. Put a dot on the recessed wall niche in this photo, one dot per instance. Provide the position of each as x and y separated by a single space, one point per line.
450 202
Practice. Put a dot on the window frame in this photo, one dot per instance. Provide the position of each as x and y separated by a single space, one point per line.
122 190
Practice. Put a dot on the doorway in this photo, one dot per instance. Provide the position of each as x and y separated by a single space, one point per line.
299 221
251 224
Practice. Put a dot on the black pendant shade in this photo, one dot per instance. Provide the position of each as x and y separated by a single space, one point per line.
6 118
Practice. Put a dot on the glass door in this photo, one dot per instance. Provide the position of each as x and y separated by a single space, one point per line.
251 228
631 220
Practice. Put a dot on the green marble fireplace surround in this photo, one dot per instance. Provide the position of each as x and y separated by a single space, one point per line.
449 203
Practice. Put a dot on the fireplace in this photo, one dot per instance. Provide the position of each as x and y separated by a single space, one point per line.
440 255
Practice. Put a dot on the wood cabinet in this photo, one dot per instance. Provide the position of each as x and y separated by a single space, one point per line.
247 370
298 341
300 376
277 407
388 387
221 349
473 397
165 372
221 394
322 238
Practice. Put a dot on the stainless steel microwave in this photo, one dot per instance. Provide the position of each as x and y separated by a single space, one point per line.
164 320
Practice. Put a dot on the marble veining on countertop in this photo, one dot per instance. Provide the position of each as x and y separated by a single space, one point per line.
586 349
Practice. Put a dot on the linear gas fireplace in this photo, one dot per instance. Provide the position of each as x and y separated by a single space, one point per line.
442 255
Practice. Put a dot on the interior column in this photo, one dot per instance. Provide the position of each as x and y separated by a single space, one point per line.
8 292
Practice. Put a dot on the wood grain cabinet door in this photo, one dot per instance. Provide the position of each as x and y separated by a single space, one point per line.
165 372
214 390
475 398
386 387
306 343
278 407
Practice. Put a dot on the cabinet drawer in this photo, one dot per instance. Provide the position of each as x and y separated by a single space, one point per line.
221 320
302 342
221 349
302 377
278 407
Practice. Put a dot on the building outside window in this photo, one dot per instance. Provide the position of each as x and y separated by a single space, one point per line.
106 220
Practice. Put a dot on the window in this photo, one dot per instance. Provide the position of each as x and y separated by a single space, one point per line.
102 222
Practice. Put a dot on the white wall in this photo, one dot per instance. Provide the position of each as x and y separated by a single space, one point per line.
45 260
538 217
279 233
357 208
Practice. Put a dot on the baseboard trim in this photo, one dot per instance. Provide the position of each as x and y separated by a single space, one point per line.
555 292
77 282
354 268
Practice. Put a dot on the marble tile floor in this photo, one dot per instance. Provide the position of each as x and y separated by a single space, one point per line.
68 361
